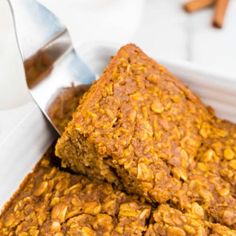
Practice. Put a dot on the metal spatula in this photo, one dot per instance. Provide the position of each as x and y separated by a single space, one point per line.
48 56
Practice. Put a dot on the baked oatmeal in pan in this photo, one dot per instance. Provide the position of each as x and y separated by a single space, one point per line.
142 155
139 127
56 202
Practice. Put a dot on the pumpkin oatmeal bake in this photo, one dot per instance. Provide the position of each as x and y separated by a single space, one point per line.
140 128
142 155
168 221
55 202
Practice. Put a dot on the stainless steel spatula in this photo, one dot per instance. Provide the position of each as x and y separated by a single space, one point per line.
50 61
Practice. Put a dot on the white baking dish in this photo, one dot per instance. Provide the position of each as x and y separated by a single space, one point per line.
28 140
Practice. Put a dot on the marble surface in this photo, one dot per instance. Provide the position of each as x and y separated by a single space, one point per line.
168 31
160 27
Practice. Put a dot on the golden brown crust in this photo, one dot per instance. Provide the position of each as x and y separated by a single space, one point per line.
167 221
58 203
55 202
140 127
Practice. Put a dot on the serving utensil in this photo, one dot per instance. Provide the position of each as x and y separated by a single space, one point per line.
49 59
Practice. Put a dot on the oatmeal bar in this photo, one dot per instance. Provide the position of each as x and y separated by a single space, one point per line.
53 202
137 124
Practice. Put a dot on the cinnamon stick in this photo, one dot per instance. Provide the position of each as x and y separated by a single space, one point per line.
219 13
196 5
